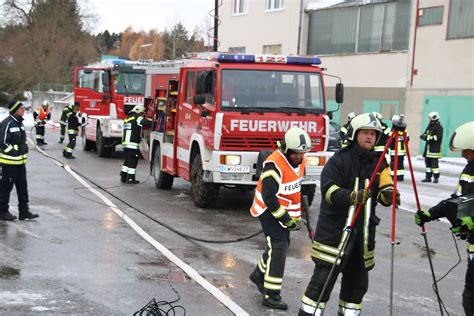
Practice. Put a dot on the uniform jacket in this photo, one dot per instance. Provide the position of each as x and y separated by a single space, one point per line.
72 122
398 140
132 127
41 116
64 114
383 138
349 169
433 137
13 146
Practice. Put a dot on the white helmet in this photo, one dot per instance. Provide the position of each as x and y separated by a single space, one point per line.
363 121
350 116
434 116
296 140
139 108
45 103
378 115
463 137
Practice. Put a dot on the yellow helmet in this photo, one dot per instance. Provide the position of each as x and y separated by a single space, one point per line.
363 121
463 137
296 140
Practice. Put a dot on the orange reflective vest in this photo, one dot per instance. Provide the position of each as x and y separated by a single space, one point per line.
289 182
42 113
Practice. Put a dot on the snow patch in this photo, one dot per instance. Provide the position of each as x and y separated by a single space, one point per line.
40 309
20 297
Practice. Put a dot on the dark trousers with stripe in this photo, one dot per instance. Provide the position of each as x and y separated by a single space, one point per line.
468 294
62 132
13 175
129 166
71 145
432 168
273 260
39 133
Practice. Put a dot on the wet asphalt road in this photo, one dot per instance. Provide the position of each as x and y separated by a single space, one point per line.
80 258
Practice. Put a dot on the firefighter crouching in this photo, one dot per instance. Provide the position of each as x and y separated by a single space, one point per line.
344 180
433 137
461 140
277 204
132 127
72 130
41 115
63 121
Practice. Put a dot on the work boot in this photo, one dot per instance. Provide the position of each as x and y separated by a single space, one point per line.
435 180
28 215
257 278
123 176
70 157
61 141
7 216
274 301
44 143
131 179
426 180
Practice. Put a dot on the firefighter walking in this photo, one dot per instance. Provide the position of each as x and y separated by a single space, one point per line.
72 131
344 180
63 121
41 115
461 140
277 204
433 136
132 127
13 157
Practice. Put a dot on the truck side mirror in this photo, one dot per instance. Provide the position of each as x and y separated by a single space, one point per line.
199 99
339 93
105 82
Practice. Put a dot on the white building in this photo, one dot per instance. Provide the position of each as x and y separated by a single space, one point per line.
404 56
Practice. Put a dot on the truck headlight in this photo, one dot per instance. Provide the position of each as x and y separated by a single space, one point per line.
230 159
315 161
114 127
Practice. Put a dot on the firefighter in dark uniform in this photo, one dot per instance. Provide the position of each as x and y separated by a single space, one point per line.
277 204
384 136
132 127
402 152
72 130
433 137
344 181
63 121
343 131
461 140
41 115
13 157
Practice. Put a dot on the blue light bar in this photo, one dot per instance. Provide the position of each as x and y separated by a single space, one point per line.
299 60
236 58
267 59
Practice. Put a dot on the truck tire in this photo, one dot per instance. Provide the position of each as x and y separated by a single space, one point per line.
309 190
163 180
204 194
87 145
101 145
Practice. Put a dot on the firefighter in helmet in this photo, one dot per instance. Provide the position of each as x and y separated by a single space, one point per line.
63 121
382 141
344 181
343 131
462 140
41 115
402 152
433 136
132 127
277 204
72 131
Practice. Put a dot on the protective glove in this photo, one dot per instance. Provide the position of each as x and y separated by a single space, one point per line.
423 137
292 225
360 197
422 217
463 226
385 197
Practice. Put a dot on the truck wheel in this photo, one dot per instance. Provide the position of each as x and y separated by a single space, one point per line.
309 190
87 145
204 194
101 143
163 180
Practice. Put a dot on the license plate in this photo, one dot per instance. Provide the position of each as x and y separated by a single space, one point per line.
234 169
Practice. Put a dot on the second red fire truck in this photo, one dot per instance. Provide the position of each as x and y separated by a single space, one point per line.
216 116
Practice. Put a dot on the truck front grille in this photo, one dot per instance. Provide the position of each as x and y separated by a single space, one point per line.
251 143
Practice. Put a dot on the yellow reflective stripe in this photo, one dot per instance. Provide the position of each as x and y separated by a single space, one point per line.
279 212
324 257
329 192
269 260
350 305
271 286
470 247
273 279
10 162
20 157
272 173
325 248
306 300
9 148
466 177
128 119
71 131
69 150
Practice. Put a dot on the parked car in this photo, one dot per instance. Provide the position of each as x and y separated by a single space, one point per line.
334 137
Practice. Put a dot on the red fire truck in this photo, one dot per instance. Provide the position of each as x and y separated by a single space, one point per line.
216 117
106 91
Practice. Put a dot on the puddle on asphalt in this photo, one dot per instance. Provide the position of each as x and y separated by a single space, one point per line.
9 273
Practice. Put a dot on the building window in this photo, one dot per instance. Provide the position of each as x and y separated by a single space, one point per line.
272 49
460 23
238 50
360 29
272 5
430 16
239 7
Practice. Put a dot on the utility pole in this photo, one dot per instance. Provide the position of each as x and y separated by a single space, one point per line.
216 23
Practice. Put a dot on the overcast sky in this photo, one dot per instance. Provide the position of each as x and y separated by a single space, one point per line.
116 15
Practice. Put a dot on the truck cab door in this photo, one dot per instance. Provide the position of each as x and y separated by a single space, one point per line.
92 91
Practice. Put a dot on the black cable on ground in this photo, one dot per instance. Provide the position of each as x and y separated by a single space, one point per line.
184 235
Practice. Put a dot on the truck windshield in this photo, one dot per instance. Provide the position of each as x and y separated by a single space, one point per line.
268 90
130 83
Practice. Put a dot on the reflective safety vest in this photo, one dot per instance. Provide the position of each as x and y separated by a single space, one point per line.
289 181
42 113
